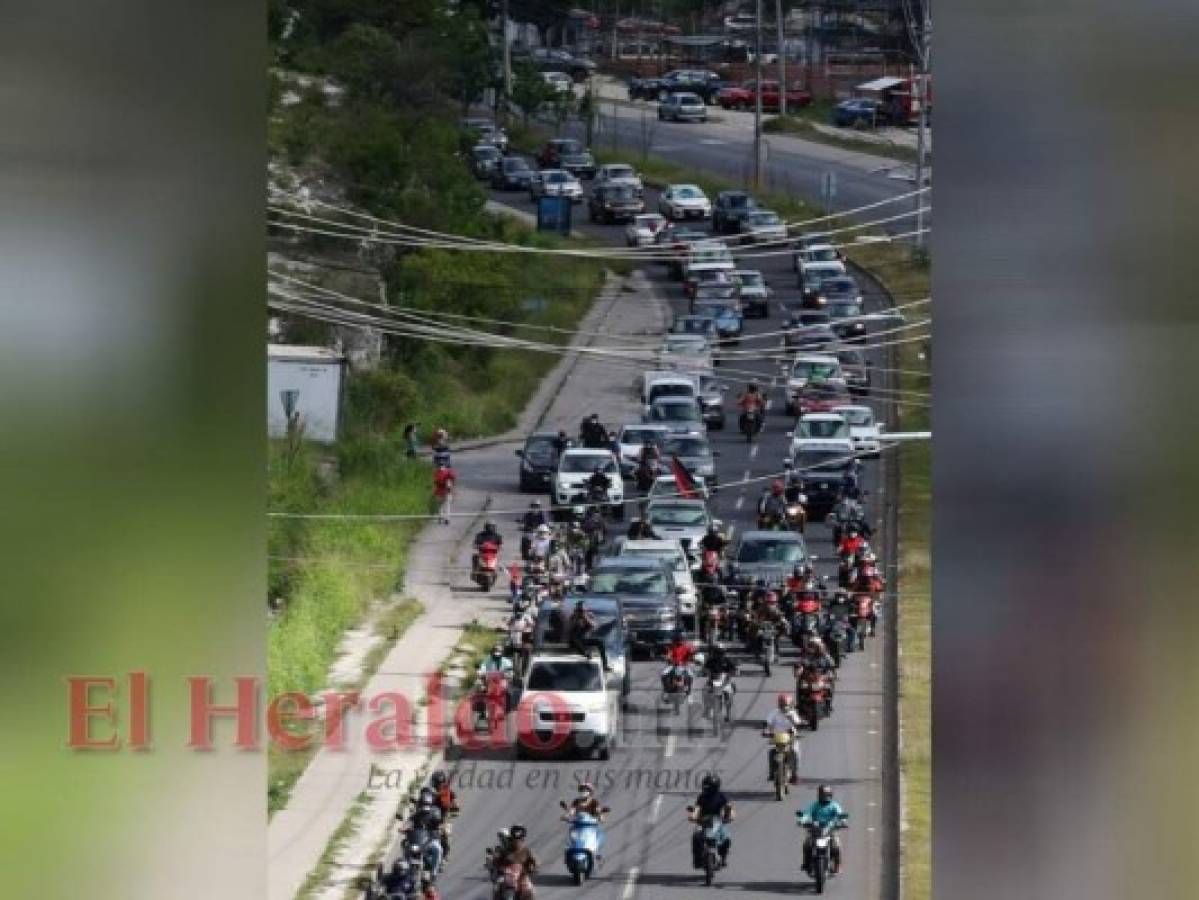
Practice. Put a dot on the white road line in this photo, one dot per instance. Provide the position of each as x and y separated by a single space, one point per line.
740 501
745 477
630 884
655 808
872 731
712 141
753 452
670 742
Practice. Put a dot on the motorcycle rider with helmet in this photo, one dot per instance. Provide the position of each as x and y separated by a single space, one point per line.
679 654
514 851
713 541
489 534
784 720
772 507
427 815
824 811
712 802
751 400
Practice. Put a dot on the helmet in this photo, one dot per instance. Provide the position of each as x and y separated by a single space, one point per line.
797 572
678 637
825 793
752 387
586 789
517 832
543 529
439 779
710 783
784 701
489 525
497 650
425 798
759 584
595 417
852 530
776 486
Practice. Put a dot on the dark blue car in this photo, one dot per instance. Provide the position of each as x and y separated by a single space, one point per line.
857 113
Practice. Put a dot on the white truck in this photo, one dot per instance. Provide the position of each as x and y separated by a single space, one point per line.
567 704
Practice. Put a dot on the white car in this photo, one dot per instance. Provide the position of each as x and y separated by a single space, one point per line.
575 469
618 173
822 425
684 201
555 183
632 438
683 107
559 81
763 225
808 366
815 253
680 566
568 700
863 430
644 228
690 351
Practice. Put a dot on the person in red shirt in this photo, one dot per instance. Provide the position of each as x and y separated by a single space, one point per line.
443 491
679 653
851 543
751 399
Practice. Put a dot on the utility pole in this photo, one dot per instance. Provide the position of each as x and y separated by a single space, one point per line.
924 52
778 15
758 97
507 56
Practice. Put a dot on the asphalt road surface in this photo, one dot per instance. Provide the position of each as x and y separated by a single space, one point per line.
655 773
724 146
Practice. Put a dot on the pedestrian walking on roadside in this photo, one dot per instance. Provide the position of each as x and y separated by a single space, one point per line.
441 448
410 439
443 491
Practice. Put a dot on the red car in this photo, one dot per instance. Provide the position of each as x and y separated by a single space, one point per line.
822 396
742 96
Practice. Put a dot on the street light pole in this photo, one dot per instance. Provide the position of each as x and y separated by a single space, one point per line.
507 56
778 16
758 97
926 30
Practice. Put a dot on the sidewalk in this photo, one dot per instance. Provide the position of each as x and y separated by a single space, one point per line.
438 575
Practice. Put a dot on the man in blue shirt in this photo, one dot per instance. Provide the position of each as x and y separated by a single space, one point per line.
827 812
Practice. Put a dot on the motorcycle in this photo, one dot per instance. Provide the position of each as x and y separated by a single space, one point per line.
416 854
751 424
820 852
767 645
584 841
718 700
813 690
404 883
490 700
714 622
780 764
845 569
674 687
519 646
806 626
768 521
708 829
838 639
485 571
861 619
505 883
515 577
797 517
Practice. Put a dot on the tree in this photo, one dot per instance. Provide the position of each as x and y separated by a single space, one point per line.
474 60
529 89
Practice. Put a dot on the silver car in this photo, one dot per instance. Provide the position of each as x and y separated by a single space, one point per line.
681 415
694 452
555 183
686 521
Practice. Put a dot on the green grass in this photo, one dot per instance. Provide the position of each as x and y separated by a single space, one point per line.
347 829
801 124
283 770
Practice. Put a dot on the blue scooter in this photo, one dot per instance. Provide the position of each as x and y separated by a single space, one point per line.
584 841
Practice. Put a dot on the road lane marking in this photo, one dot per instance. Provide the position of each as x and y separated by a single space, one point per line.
630 884
670 742
745 477
740 501
712 141
655 808
753 452
872 731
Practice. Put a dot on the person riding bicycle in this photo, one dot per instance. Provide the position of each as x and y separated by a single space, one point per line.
712 802
785 720
824 811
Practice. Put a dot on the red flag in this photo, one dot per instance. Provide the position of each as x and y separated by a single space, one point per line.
688 489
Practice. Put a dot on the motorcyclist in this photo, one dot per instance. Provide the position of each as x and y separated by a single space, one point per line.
515 852
641 530
541 545
718 661
560 568
679 654
823 811
712 802
592 433
646 472
533 517
851 542
593 528
489 534
848 511
816 661
580 628
750 400
587 803
784 720
713 541
447 801
772 507
561 443
599 483
427 815
495 661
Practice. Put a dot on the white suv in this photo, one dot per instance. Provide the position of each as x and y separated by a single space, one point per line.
575 469
566 702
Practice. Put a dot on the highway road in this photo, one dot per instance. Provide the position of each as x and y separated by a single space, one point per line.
724 146
656 772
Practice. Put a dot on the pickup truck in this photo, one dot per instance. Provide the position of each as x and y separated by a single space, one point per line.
742 96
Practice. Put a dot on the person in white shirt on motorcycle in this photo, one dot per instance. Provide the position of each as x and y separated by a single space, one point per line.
785 720
560 568
542 544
